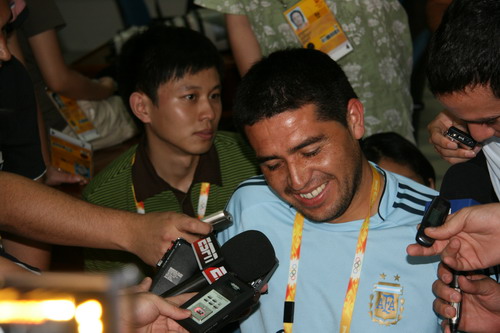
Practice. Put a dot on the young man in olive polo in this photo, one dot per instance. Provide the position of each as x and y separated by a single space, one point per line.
171 78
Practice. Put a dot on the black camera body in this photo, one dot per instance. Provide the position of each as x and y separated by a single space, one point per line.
461 137
434 216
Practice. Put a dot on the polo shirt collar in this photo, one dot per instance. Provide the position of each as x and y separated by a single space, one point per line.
148 183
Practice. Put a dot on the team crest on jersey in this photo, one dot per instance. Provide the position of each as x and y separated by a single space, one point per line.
386 301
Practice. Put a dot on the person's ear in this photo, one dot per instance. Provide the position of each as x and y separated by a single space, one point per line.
139 103
355 118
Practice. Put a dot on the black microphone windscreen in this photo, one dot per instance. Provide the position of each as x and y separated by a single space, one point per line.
467 181
249 255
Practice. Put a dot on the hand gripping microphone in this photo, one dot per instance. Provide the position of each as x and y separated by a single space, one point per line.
249 256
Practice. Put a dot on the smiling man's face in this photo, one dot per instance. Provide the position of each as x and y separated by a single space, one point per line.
314 165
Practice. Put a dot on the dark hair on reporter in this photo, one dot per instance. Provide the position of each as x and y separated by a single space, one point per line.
289 79
464 51
161 54
392 146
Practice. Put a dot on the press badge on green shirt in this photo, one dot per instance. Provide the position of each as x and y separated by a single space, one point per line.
317 28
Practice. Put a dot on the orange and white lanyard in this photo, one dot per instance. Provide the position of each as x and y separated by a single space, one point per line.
352 287
202 200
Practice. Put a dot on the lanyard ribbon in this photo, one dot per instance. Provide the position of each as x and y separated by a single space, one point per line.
352 286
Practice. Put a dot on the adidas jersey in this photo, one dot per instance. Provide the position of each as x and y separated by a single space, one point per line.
394 293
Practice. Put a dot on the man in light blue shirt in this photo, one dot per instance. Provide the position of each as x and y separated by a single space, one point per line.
339 224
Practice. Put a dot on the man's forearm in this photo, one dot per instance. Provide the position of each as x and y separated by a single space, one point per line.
42 213
244 44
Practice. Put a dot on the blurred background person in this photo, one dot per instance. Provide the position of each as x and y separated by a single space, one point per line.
45 62
394 153
379 65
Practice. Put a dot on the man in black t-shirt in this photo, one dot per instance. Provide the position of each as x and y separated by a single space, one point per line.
20 147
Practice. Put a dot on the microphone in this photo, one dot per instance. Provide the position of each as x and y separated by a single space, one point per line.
250 260
249 256
182 260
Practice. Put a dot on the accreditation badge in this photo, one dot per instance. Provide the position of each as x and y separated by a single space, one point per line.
317 28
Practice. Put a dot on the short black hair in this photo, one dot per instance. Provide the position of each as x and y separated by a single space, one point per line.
289 79
464 51
393 146
160 54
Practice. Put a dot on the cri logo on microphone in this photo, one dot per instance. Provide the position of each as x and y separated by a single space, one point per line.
205 250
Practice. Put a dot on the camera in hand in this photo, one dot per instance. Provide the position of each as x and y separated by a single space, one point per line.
461 137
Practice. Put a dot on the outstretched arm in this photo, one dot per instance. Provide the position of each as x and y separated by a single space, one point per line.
57 218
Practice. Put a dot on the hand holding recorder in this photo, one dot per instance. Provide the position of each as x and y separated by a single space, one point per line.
468 240
228 278
479 298
145 312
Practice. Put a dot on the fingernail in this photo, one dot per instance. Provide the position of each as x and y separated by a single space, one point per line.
470 153
449 312
454 297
